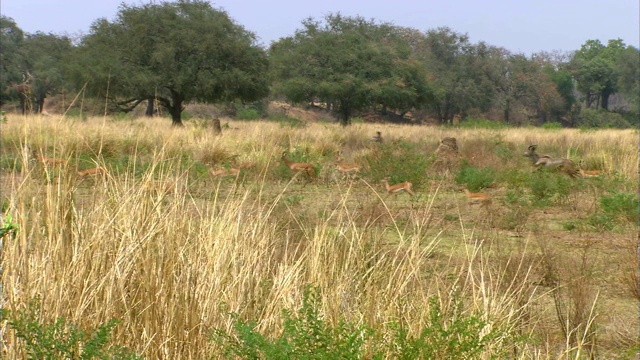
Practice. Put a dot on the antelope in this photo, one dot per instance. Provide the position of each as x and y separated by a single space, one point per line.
298 167
224 172
346 169
99 170
377 138
589 173
475 198
565 165
45 161
396 188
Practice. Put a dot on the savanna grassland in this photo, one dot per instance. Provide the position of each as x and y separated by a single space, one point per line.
179 258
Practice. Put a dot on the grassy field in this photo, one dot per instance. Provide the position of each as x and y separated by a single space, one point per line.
547 270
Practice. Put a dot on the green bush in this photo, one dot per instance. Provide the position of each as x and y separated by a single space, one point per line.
621 205
481 123
447 335
474 178
398 160
592 118
305 335
546 187
62 340
552 125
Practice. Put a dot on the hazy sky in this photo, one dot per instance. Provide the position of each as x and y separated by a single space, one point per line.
525 26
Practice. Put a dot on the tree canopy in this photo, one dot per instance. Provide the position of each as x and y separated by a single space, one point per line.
350 63
175 53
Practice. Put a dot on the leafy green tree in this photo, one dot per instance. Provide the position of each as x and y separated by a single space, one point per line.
594 68
350 63
628 69
456 69
11 39
45 59
175 52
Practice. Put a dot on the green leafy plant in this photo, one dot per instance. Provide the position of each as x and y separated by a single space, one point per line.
448 335
398 160
60 339
306 335
621 205
8 226
475 179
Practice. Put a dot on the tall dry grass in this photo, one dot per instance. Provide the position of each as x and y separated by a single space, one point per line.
169 261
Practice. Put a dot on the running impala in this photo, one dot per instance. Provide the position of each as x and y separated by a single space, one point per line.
397 188
298 166
477 198
346 169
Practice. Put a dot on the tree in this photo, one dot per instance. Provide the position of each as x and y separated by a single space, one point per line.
45 59
12 40
349 62
456 69
175 52
594 68
628 69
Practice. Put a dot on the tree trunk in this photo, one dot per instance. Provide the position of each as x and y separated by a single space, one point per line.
605 100
150 107
40 104
345 114
176 114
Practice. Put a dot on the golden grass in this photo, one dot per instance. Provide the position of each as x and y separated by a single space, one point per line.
168 254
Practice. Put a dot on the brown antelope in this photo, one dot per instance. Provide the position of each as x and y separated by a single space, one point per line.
346 169
98 170
222 172
539 162
477 198
589 173
396 188
45 161
298 167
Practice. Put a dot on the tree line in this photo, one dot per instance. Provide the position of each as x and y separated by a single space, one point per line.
172 53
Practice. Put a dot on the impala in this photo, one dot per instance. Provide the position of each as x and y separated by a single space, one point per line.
396 188
222 172
298 166
589 173
346 169
99 170
564 165
45 161
475 198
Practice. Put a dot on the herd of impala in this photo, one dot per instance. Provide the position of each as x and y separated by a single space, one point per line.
565 166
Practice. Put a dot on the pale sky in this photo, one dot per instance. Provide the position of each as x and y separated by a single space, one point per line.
521 26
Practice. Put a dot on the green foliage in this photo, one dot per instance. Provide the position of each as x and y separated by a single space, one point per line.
305 335
621 205
3 117
350 62
175 52
592 118
481 123
400 161
448 334
552 125
546 187
475 179
8 226
60 339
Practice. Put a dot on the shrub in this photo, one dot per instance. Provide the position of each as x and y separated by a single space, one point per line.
552 125
62 340
447 335
621 205
398 160
305 335
474 178
592 118
480 123
546 186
